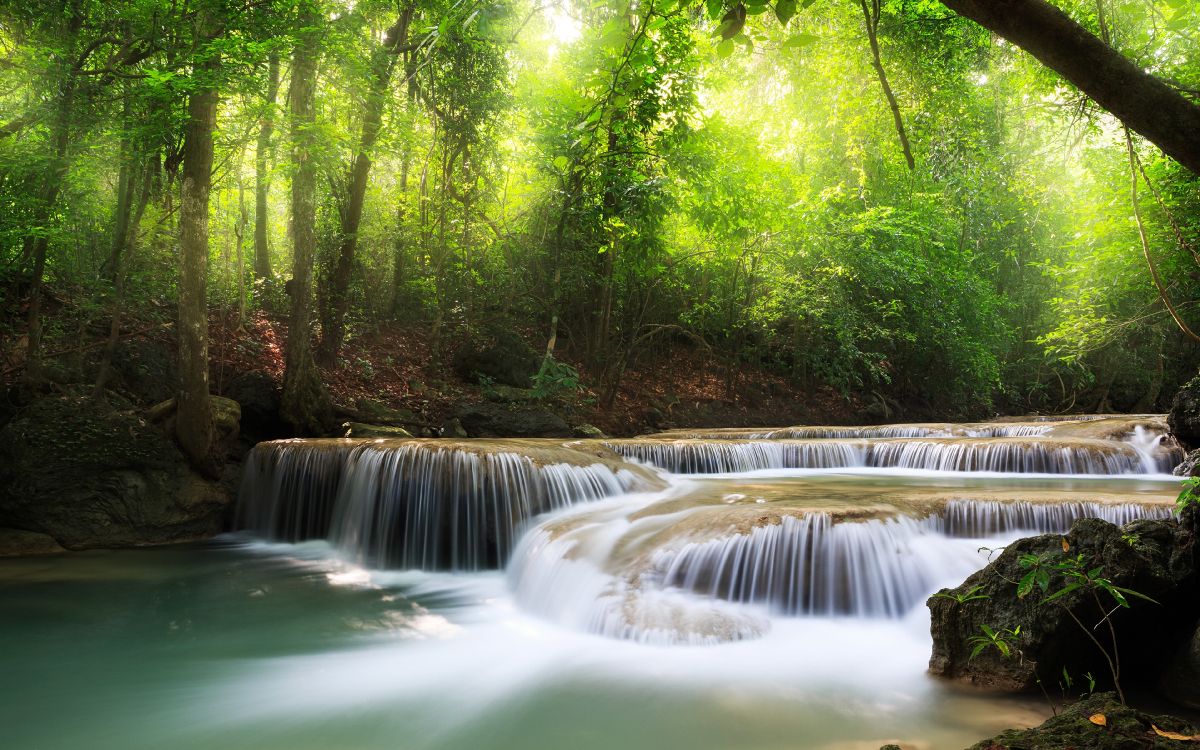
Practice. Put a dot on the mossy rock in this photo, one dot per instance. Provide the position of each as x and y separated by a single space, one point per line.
1098 722
362 430
91 474
1184 417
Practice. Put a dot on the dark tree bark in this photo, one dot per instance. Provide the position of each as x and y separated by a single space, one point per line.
193 417
262 179
1146 104
305 404
333 324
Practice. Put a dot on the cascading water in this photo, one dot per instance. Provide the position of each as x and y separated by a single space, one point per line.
413 504
801 591
812 566
1031 455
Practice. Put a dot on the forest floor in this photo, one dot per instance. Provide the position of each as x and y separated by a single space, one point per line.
679 386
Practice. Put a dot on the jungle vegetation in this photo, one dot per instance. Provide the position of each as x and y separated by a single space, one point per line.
882 197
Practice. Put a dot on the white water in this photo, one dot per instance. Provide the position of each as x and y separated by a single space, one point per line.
714 613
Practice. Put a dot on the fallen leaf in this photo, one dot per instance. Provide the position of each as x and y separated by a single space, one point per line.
1099 720
1066 546
1175 735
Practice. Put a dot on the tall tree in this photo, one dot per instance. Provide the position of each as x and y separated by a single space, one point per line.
262 177
193 417
305 403
383 62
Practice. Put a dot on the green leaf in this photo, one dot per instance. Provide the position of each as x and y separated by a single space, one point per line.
1061 592
561 163
732 22
798 41
784 10
725 48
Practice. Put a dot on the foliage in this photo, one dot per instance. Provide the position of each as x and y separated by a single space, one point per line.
624 175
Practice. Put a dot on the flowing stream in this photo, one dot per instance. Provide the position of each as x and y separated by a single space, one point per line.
699 589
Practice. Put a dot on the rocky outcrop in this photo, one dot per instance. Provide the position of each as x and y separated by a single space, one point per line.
507 361
362 430
498 420
90 475
1190 466
1184 417
1154 558
1098 722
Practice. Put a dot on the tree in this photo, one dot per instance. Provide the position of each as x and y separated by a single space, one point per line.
193 417
305 404
1149 106
262 179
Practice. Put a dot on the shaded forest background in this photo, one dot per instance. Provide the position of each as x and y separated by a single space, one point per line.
832 210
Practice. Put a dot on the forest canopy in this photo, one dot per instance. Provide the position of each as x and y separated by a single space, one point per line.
881 199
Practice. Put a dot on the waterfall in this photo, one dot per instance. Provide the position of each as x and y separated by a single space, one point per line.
1011 455
416 504
811 565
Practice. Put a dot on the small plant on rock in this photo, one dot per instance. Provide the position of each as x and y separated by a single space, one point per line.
1076 575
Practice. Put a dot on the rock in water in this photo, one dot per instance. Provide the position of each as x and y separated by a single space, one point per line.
1190 466
1184 418
362 430
93 475
1098 722
1154 558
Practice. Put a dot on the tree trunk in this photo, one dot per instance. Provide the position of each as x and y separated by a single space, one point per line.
262 179
871 16
305 404
333 329
1141 101
193 417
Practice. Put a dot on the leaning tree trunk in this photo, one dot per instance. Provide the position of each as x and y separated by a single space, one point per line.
305 404
1144 103
193 417
333 329
262 180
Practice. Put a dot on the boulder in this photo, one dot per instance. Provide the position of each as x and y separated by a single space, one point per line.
497 420
509 394
99 475
1154 558
1190 466
1098 722
507 361
452 428
375 412
1184 417
587 431
362 430
20 543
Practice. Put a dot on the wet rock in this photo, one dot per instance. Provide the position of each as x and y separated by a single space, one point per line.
99 475
1190 466
452 428
497 420
18 543
375 412
1154 558
587 431
507 361
361 430
1184 417
1098 722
